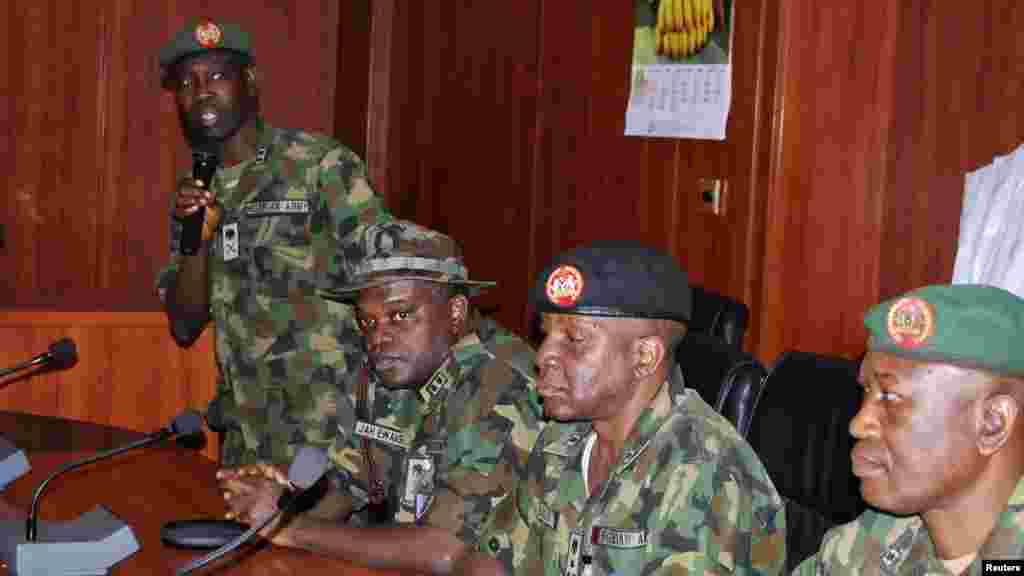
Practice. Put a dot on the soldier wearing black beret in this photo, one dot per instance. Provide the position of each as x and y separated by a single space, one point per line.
629 479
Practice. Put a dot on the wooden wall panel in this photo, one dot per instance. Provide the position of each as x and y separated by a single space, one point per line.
130 372
823 237
456 134
510 138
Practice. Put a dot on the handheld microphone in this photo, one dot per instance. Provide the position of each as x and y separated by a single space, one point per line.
61 354
187 423
306 481
204 165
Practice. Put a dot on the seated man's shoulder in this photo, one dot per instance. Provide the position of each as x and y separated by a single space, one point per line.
497 357
861 544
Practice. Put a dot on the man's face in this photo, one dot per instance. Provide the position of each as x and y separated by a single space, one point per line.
586 366
408 329
215 97
915 433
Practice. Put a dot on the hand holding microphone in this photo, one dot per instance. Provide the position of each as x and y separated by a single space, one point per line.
194 205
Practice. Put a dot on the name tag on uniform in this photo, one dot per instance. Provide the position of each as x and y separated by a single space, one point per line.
229 241
618 537
275 207
383 434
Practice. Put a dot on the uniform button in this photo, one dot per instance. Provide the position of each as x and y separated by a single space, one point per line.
493 544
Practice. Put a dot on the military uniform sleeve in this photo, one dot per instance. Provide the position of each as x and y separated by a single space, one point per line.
346 200
729 521
508 535
488 444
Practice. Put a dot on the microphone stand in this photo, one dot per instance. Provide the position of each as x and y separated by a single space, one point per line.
31 524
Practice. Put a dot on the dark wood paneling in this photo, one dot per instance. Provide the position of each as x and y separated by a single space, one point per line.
456 137
505 129
353 70
130 373
827 196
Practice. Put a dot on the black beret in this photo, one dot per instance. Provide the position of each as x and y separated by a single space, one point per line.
617 278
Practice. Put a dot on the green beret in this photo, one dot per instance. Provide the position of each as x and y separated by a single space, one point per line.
204 35
970 325
615 279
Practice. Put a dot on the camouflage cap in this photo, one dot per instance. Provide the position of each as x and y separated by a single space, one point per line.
403 249
203 35
970 325
615 278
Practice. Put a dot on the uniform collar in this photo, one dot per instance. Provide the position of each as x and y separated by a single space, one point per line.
569 442
1003 542
447 377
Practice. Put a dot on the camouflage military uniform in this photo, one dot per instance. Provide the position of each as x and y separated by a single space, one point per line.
447 452
879 543
282 350
689 496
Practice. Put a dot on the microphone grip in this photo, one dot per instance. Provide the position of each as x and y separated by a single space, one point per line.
204 165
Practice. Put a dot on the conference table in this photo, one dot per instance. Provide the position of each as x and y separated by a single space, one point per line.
145 488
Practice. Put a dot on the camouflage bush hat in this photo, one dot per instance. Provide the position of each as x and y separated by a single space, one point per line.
970 325
617 279
403 249
203 35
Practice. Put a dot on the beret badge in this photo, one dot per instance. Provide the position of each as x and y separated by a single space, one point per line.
910 322
564 286
208 34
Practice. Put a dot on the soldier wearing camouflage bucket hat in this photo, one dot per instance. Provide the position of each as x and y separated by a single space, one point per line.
274 215
445 410
631 478
940 438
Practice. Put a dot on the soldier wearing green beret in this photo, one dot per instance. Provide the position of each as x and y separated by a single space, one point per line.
446 412
940 438
275 212
629 478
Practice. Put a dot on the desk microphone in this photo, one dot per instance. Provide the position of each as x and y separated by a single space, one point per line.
306 482
187 423
61 354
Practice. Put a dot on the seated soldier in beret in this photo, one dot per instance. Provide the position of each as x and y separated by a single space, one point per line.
940 437
444 416
631 479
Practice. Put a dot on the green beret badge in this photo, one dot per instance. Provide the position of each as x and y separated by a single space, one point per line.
911 322
208 35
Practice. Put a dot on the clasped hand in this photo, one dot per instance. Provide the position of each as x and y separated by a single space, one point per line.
251 494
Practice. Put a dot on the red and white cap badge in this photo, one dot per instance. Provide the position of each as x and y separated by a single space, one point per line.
208 34
564 286
911 322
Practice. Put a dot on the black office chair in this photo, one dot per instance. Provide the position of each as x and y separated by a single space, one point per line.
800 430
719 316
726 378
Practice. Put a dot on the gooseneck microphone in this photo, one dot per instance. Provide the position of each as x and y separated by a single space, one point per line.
61 354
204 165
306 482
187 423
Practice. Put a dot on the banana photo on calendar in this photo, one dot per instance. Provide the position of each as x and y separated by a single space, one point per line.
682 69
